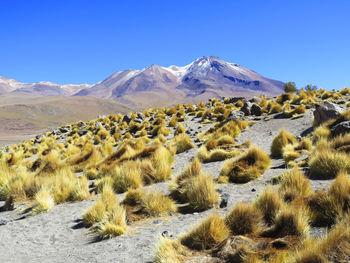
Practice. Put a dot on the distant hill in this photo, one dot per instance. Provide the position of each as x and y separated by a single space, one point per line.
204 78
23 116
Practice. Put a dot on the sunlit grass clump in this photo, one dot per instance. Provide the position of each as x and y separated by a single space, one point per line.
281 140
209 233
245 168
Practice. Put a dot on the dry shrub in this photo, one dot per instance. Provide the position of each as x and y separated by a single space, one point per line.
289 222
126 176
248 167
321 132
327 163
323 212
182 143
43 201
180 129
268 203
157 204
200 192
281 140
339 193
104 204
335 247
244 219
170 251
207 234
294 183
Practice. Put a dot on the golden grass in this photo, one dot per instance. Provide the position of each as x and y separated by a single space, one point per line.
182 143
104 204
209 233
294 183
43 201
321 132
335 247
289 222
339 192
200 192
180 129
115 225
244 219
126 176
170 251
247 167
281 140
327 163
268 203
322 208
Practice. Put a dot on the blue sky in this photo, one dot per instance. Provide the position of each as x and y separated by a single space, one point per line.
86 41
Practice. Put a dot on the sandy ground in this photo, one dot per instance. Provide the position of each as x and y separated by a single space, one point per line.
57 235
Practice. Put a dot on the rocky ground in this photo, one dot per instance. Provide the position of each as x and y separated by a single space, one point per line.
58 235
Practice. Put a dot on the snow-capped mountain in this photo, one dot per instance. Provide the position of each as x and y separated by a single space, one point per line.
204 78
42 88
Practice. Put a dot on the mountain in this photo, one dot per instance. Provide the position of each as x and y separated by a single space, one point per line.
204 78
42 88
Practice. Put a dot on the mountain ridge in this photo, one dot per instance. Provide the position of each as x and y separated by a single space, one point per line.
201 79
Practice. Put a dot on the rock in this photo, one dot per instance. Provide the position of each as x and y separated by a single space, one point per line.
127 118
3 222
158 221
235 115
225 198
98 124
138 121
341 128
82 132
235 99
140 116
219 190
234 248
279 243
166 234
247 108
301 158
64 129
255 100
253 190
326 111
256 110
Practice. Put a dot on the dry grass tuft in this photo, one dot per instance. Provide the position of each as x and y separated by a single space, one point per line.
43 201
248 167
327 163
294 183
281 140
323 212
339 193
182 143
207 234
289 222
170 251
244 219
104 204
268 203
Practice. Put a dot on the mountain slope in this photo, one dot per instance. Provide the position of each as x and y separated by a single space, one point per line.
204 78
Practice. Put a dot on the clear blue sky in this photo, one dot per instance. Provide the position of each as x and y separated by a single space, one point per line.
86 41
